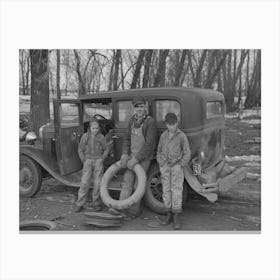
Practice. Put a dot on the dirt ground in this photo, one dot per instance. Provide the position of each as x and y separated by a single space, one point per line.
237 210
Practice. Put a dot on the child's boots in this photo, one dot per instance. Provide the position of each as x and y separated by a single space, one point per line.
167 220
176 221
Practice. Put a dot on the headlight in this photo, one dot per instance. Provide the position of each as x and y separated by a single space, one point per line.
31 137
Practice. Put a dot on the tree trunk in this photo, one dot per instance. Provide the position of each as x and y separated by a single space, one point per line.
234 64
116 73
247 72
180 68
111 72
239 90
254 93
40 111
197 81
137 71
22 65
146 76
82 88
160 76
189 53
215 72
27 73
58 93
122 74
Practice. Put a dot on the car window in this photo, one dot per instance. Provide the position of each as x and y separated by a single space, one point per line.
125 111
167 106
69 115
214 109
91 109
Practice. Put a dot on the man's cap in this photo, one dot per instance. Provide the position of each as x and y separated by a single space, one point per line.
171 118
138 100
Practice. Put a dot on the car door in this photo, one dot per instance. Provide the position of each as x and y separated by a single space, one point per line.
68 131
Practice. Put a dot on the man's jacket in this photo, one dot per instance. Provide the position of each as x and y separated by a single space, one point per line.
149 132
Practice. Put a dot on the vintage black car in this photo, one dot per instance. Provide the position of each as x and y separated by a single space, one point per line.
201 118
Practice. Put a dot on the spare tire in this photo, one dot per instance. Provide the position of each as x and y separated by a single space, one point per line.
128 202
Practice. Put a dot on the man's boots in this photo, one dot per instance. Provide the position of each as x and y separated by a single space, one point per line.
167 220
176 221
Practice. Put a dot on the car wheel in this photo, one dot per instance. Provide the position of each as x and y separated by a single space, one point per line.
30 176
153 195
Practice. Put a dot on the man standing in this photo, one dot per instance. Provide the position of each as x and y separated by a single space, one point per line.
138 147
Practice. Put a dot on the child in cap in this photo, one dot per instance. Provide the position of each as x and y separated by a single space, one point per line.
173 154
92 152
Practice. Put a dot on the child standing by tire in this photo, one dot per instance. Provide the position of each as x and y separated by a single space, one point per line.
173 154
92 152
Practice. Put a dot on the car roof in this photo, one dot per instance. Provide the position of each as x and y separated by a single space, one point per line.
179 91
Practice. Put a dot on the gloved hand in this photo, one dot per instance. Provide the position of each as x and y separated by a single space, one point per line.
124 160
131 163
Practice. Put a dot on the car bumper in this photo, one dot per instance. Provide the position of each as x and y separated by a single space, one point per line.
225 183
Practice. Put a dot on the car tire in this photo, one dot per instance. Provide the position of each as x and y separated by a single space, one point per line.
30 177
125 203
37 225
153 194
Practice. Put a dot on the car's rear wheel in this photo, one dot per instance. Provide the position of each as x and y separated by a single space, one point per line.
153 194
30 176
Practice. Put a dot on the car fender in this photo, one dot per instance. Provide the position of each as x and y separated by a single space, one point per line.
49 164
196 186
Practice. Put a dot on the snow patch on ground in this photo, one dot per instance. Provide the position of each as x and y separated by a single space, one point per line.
253 121
243 158
246 113
252 164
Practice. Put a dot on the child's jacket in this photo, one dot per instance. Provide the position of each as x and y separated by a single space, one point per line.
174 150
93 147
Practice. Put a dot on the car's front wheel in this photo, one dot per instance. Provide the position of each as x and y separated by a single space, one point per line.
153 194
30 176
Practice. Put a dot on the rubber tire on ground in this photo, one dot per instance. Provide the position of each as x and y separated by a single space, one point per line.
150 200
48 225
36 172
125 203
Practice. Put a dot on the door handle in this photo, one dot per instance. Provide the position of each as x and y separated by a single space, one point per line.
115 137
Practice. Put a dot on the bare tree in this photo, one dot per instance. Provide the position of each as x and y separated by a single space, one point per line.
58 93
21 61
254 91
24 65
116 68
160 75
196 75
40 112
179 69
213 73
147 66
197 80
139 63
81 87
